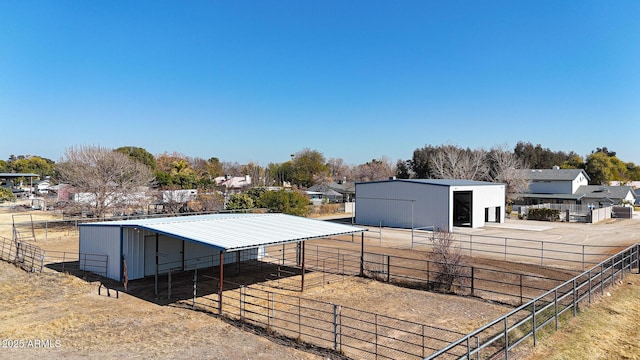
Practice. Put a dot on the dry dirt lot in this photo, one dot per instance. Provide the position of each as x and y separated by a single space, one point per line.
66 313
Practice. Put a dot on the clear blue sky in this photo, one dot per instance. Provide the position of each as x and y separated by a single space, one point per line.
259 80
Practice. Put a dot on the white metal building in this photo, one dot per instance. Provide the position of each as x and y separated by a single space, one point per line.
429 203
192 242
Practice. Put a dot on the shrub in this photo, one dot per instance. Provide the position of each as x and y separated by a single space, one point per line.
544 214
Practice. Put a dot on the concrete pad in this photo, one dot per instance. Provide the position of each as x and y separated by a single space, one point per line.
519 227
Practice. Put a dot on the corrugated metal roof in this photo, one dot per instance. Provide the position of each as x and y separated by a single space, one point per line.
232 232
439 182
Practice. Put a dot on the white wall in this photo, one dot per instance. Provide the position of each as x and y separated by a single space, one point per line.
402 204
484 196
102 240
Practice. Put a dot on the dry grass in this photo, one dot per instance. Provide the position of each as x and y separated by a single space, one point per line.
67 310
608 329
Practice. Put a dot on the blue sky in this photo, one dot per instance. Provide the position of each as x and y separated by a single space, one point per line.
259 80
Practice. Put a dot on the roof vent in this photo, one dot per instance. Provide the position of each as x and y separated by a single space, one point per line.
556 167
392 177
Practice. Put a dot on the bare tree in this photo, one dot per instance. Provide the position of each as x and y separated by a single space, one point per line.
452 162
452 267
338 170
111 178
506 168
376 169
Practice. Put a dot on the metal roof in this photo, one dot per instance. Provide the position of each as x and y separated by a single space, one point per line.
233 232
439 182
553 174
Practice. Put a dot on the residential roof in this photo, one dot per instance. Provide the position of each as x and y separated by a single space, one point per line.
553 174
551 196
233 232
603 191
342 188
16 175
439 182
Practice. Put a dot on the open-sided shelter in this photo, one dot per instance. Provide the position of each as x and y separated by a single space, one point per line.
437 204
158 245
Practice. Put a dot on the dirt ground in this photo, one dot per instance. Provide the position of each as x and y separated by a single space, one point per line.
59 315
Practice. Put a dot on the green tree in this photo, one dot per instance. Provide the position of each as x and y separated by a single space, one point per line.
32 164
598 167
175 171
139 154
603 166
633 172
6 195
421 162
286 202
403 169
255 193
537 157
239 201
278 174
4 166
574 162
308 165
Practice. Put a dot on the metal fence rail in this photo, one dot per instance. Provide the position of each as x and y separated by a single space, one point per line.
491 284
520 250
28 256
356 333
544 313
34 259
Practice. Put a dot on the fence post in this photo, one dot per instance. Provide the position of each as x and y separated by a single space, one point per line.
505 249
273 310
542 253
535 326
555 304
601 279
376 334
299 318
473 287
506 339
575 298
521 289
590 286
42 261
638 257
423 341
195 280
335 327
583 257
240 302
388 268
169 285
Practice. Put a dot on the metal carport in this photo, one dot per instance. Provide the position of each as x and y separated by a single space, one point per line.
225 233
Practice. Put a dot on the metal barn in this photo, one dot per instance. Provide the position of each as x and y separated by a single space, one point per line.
156 246
429 203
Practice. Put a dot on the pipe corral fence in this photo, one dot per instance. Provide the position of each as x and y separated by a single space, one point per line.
499 338
541 301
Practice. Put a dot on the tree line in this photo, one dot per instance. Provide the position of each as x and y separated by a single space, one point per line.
103 171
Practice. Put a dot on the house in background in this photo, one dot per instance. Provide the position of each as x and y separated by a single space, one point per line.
233 184
335 192
602 195
570 186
